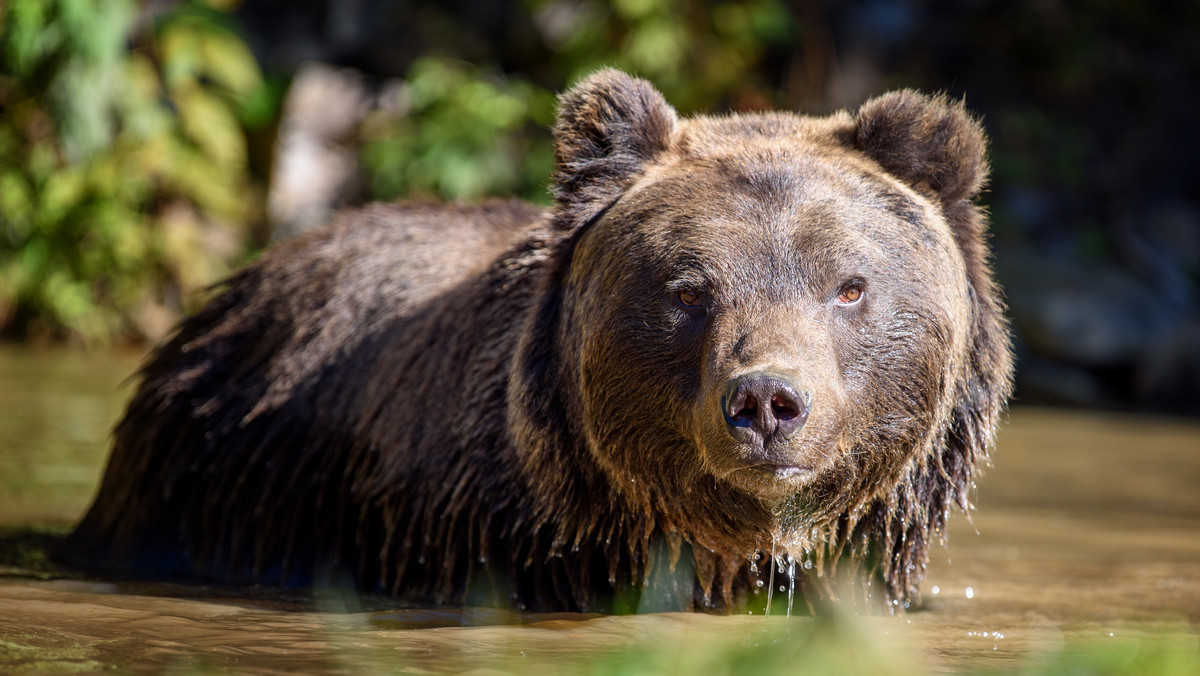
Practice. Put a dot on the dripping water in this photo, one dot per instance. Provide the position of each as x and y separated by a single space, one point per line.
771 582
791 584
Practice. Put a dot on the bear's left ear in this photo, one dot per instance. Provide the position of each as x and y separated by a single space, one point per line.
931 143
610 126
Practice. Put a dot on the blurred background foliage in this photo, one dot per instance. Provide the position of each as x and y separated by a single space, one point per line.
129 178
470 126
459 133
124 183
149 147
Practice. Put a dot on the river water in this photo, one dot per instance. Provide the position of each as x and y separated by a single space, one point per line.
1087 536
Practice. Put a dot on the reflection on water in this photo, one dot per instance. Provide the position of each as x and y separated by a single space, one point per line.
56 410
1088 529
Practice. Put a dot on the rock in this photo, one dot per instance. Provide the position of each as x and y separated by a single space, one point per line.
1083 315
316 165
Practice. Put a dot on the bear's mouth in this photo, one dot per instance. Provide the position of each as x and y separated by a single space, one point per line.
772 480
783 472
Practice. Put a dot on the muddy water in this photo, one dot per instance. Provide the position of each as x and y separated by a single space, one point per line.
1088 531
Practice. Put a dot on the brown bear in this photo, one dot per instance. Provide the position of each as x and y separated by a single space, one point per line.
730 336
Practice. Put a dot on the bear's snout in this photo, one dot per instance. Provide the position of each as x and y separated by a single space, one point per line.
761 407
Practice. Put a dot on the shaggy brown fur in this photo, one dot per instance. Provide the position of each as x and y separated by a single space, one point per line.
496 404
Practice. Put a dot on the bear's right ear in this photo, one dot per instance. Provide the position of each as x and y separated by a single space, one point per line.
929 141
610 126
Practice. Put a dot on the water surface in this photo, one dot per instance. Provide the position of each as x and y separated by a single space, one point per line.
1087 533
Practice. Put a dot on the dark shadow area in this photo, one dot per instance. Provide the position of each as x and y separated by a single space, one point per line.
25 553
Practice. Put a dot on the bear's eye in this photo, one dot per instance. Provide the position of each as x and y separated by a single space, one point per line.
851 294
691 299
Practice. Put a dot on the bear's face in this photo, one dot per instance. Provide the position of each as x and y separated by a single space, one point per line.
763 325
765 307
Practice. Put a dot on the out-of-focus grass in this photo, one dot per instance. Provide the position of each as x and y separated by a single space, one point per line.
838 647
819 647
675 643
1165 655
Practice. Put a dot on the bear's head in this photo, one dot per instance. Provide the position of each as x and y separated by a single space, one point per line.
764 328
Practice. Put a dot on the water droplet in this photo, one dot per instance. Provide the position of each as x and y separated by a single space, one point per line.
791 585
935 590
421 560
783 587
808 564
970 592
483 559
759 583
771 584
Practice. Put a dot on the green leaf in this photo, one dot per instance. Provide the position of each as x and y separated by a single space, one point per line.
227 61
211 124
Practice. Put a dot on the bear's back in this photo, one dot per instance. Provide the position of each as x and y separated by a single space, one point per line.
246 402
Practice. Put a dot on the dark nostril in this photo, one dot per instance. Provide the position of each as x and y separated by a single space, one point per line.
744 412
764 404
784 407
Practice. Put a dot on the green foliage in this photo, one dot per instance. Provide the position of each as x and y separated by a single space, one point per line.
698 53
461 131
124 185
124 179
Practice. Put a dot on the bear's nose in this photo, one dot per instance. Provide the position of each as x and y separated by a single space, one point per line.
758 406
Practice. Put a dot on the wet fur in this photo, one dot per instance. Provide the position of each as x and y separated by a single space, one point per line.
402 398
